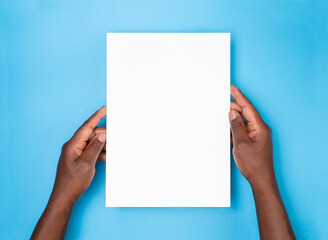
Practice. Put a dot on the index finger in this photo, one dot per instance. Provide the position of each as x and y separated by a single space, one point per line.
85 131
248 111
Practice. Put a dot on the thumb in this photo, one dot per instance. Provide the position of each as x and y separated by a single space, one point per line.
94 148
238 128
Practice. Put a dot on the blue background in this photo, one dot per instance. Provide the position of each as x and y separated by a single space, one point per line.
53 76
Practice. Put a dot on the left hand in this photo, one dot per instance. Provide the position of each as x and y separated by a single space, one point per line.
75 171
76 166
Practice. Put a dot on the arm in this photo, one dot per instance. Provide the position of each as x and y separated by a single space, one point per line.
253 154
75 171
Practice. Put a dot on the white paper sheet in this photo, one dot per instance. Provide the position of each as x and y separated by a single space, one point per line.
168 137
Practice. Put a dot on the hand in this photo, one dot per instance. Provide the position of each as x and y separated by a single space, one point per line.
75 171
252 144
76 166
253 154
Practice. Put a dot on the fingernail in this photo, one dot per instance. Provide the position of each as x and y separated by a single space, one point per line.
233 115
102 137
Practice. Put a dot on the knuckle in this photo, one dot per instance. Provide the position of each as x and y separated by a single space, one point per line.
86 122
82 161
241 146
96 146
85 166
267 129
235 124
65 146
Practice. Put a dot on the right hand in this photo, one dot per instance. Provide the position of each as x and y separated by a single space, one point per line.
251 139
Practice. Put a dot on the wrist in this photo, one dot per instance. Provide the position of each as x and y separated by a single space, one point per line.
263 178
264 185
61 201
64 193
54 220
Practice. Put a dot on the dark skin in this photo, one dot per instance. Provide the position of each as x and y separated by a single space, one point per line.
253 154
252 151
75 171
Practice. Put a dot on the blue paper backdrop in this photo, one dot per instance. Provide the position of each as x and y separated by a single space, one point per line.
53 76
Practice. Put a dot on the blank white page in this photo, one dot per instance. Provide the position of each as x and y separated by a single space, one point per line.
168 137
